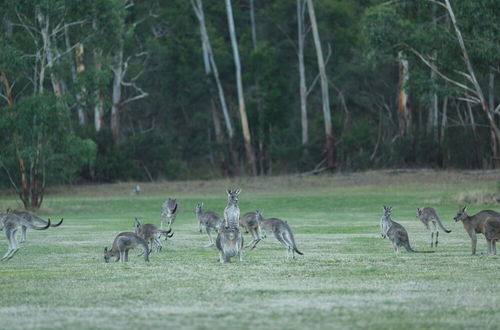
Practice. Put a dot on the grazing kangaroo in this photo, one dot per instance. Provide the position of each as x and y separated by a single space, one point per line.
122 244
169 211
250 223
396 233
229 242
281 231
474 224
209 220
31 218
11 223
232 210
150 233
492 233
428 215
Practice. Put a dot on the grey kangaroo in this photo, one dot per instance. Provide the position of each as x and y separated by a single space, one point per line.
251 225
232 210
474 224
150 233
122 244
396 233
492 233
428 215
31 218
11 223
169 210
229 242
208 220
281 231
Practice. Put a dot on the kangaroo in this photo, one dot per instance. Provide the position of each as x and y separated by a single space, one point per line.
229 242
209 220
169 210
396 233
122 244
31 218
12 223
251 225
232 210
281 231
474 224
428 215
150 233
492 233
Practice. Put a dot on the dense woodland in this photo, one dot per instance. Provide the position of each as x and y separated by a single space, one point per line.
100 91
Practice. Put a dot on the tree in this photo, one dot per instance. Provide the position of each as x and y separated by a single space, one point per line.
241 98
330 144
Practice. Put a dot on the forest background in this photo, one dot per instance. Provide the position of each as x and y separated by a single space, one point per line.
114 90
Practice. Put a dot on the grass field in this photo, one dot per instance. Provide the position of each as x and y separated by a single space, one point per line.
349 276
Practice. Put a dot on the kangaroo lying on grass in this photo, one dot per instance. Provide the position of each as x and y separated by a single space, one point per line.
31 218
396 233
209 220
122 244
428 215
151 234
281 231
11 223
250 223
476 224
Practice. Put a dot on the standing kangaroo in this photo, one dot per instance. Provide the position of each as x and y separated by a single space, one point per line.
11 223
31 218
169 210
281 231
396 233
150 233
229 240
209 220
122 244
232 210
428 215
475 224
250 223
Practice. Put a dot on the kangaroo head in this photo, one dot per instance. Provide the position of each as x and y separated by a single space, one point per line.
419 212
232 196
137 225
107 254
461 214
259 217
387 210
199 208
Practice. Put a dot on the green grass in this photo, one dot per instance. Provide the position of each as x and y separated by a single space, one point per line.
348 277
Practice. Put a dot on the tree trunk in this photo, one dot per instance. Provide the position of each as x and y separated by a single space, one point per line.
239 85
117 91
495 131
302 73
404 114
330 144
98 95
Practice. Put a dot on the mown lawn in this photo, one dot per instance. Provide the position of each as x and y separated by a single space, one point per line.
349 276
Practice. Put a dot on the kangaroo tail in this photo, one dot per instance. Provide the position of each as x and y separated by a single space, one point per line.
57 224
166 232
441 225
32 226
289 236
409 249
297 250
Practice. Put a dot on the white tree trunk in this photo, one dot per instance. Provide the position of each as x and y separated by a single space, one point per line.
302 72
239 85
117 91
330 146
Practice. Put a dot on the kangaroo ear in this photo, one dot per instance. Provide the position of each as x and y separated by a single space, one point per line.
237 192
105 249
201 204
228 191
